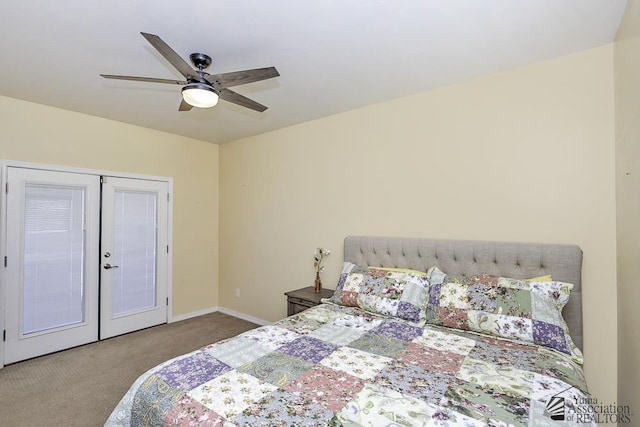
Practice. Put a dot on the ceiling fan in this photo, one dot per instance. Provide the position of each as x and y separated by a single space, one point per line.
202 89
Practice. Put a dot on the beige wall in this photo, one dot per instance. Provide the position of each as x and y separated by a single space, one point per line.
627 92
524 155
37 133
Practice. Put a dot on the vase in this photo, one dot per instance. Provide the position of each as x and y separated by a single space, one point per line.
318 285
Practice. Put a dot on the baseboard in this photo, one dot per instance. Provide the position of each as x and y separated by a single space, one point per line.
193 314
224 310
243 316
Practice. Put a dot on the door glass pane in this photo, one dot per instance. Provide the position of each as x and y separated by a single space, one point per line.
54 251
134 280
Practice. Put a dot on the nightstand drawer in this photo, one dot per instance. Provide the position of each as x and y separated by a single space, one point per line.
304 298
296 305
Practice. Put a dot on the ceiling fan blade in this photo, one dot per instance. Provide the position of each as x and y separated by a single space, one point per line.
236 98
144 79
241 77
185 106
171 56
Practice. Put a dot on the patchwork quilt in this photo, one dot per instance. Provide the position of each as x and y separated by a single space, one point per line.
340 366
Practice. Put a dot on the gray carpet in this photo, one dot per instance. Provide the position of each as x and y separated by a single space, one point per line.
81 386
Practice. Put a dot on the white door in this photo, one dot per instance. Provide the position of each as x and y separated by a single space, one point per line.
133 255
52 261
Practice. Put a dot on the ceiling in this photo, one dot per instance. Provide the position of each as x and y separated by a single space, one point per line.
332 55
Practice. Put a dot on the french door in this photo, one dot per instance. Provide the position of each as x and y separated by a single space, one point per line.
85 260
134 244
52 261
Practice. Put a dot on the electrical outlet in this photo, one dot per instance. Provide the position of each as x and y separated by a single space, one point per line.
237 292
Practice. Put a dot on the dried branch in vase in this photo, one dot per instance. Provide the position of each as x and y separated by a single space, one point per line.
318 256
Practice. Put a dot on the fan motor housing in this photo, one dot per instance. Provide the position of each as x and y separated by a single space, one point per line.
200 60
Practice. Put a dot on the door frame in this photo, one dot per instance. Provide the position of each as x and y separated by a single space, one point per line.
5 164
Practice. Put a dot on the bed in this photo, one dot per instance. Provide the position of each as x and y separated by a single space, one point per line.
418 332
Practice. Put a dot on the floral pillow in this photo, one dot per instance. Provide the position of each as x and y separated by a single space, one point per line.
525 310
400 293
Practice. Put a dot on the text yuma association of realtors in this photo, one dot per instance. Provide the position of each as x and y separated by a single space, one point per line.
587 409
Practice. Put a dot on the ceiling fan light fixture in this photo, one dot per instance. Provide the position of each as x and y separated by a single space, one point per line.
199 95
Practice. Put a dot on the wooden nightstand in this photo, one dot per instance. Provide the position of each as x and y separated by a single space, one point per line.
303 298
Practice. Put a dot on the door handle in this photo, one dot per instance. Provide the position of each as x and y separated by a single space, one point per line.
108 266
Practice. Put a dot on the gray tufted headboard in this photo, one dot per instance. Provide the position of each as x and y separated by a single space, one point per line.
516 260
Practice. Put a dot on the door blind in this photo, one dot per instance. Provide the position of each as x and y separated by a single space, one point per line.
54 247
